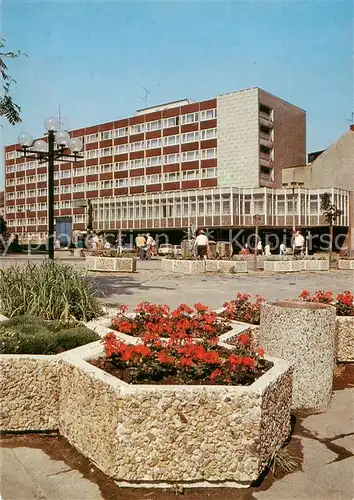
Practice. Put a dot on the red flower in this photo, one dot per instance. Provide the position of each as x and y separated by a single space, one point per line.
143 350
215 374
243 339
260 352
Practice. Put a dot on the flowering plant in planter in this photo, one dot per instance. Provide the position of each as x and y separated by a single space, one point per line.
344 302
242 309
182 360
158 321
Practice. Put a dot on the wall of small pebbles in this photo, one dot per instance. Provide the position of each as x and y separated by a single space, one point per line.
29 392
111 264
345 338
346 264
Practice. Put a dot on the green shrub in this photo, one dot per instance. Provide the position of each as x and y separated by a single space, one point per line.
49 290
29 335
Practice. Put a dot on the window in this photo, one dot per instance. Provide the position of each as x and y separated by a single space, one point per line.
42 192
20 180
190 137
265 150
122 182
190 118
121 132
66 203
79 218
121 165
139 163
208 114
190 175
42 206
153 161
65 189
172 158
106 135
11 209
122 148
65 174
92 138
43 177
78 188
137 129
171 140
137 146
190 156
209 173
32 207
92 170
91 186
20 194
209 133
153 179
10 196
10 168
31 179
106 152
31 193
56 189
171 122
150 126
108 167
31 164
226 205
137 181
266 111
153 143
78 172
11 155
208 153
106 184
11 222
10 182
93 153
20 167
42 220
171 177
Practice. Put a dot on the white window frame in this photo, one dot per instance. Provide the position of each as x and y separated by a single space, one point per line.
150 143
138 128
106 151
186 156
137 146
153 179
154 161
190 118
190 137
190 175
171 140
92 153
121 149
106 135
208 154
78 172
137 163
121 132
167 122
92 138
121 165
152 126
123 182
208 114
208 133
209 173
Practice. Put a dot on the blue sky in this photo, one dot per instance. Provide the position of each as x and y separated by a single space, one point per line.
93 57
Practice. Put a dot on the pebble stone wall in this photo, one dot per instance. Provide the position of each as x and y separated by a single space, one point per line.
304 334
346 264
193 435
345 338
29 392
198 266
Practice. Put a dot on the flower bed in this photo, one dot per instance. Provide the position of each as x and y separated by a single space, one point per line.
160 435
151 321
243 309
111 264
344 304
346 264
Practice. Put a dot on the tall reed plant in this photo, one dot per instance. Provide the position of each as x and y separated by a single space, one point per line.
48 290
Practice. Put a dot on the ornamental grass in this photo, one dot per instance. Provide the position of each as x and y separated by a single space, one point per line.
49 290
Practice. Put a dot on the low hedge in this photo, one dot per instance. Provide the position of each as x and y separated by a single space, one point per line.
30 335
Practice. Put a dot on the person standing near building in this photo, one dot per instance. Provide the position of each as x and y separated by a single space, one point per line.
259 248
282 249
201 244
150 244
299 242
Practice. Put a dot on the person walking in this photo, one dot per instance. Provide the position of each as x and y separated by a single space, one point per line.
259 248
267 251
282 249
299 242
201 244
150 245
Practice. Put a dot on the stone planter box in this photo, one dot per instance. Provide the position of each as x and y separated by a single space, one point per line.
226 266
303 333
346 264
147 435
345 338
183 266
316 265
283 266
111 264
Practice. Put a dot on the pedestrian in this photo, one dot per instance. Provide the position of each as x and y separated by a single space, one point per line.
201 244
150 245
259 248
267 251
282 249
299 242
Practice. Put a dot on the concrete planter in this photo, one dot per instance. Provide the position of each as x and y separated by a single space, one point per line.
283 266
346 264
147 435
183 266
303 333
316 265
111 264
345 338
226 266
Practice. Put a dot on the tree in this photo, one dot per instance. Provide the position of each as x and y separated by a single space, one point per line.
8 108
331 214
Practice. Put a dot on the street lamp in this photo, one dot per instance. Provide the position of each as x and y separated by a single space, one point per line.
59 142
257 220
293 185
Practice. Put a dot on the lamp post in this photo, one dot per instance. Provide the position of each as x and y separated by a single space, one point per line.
56 148
293 185
257 219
